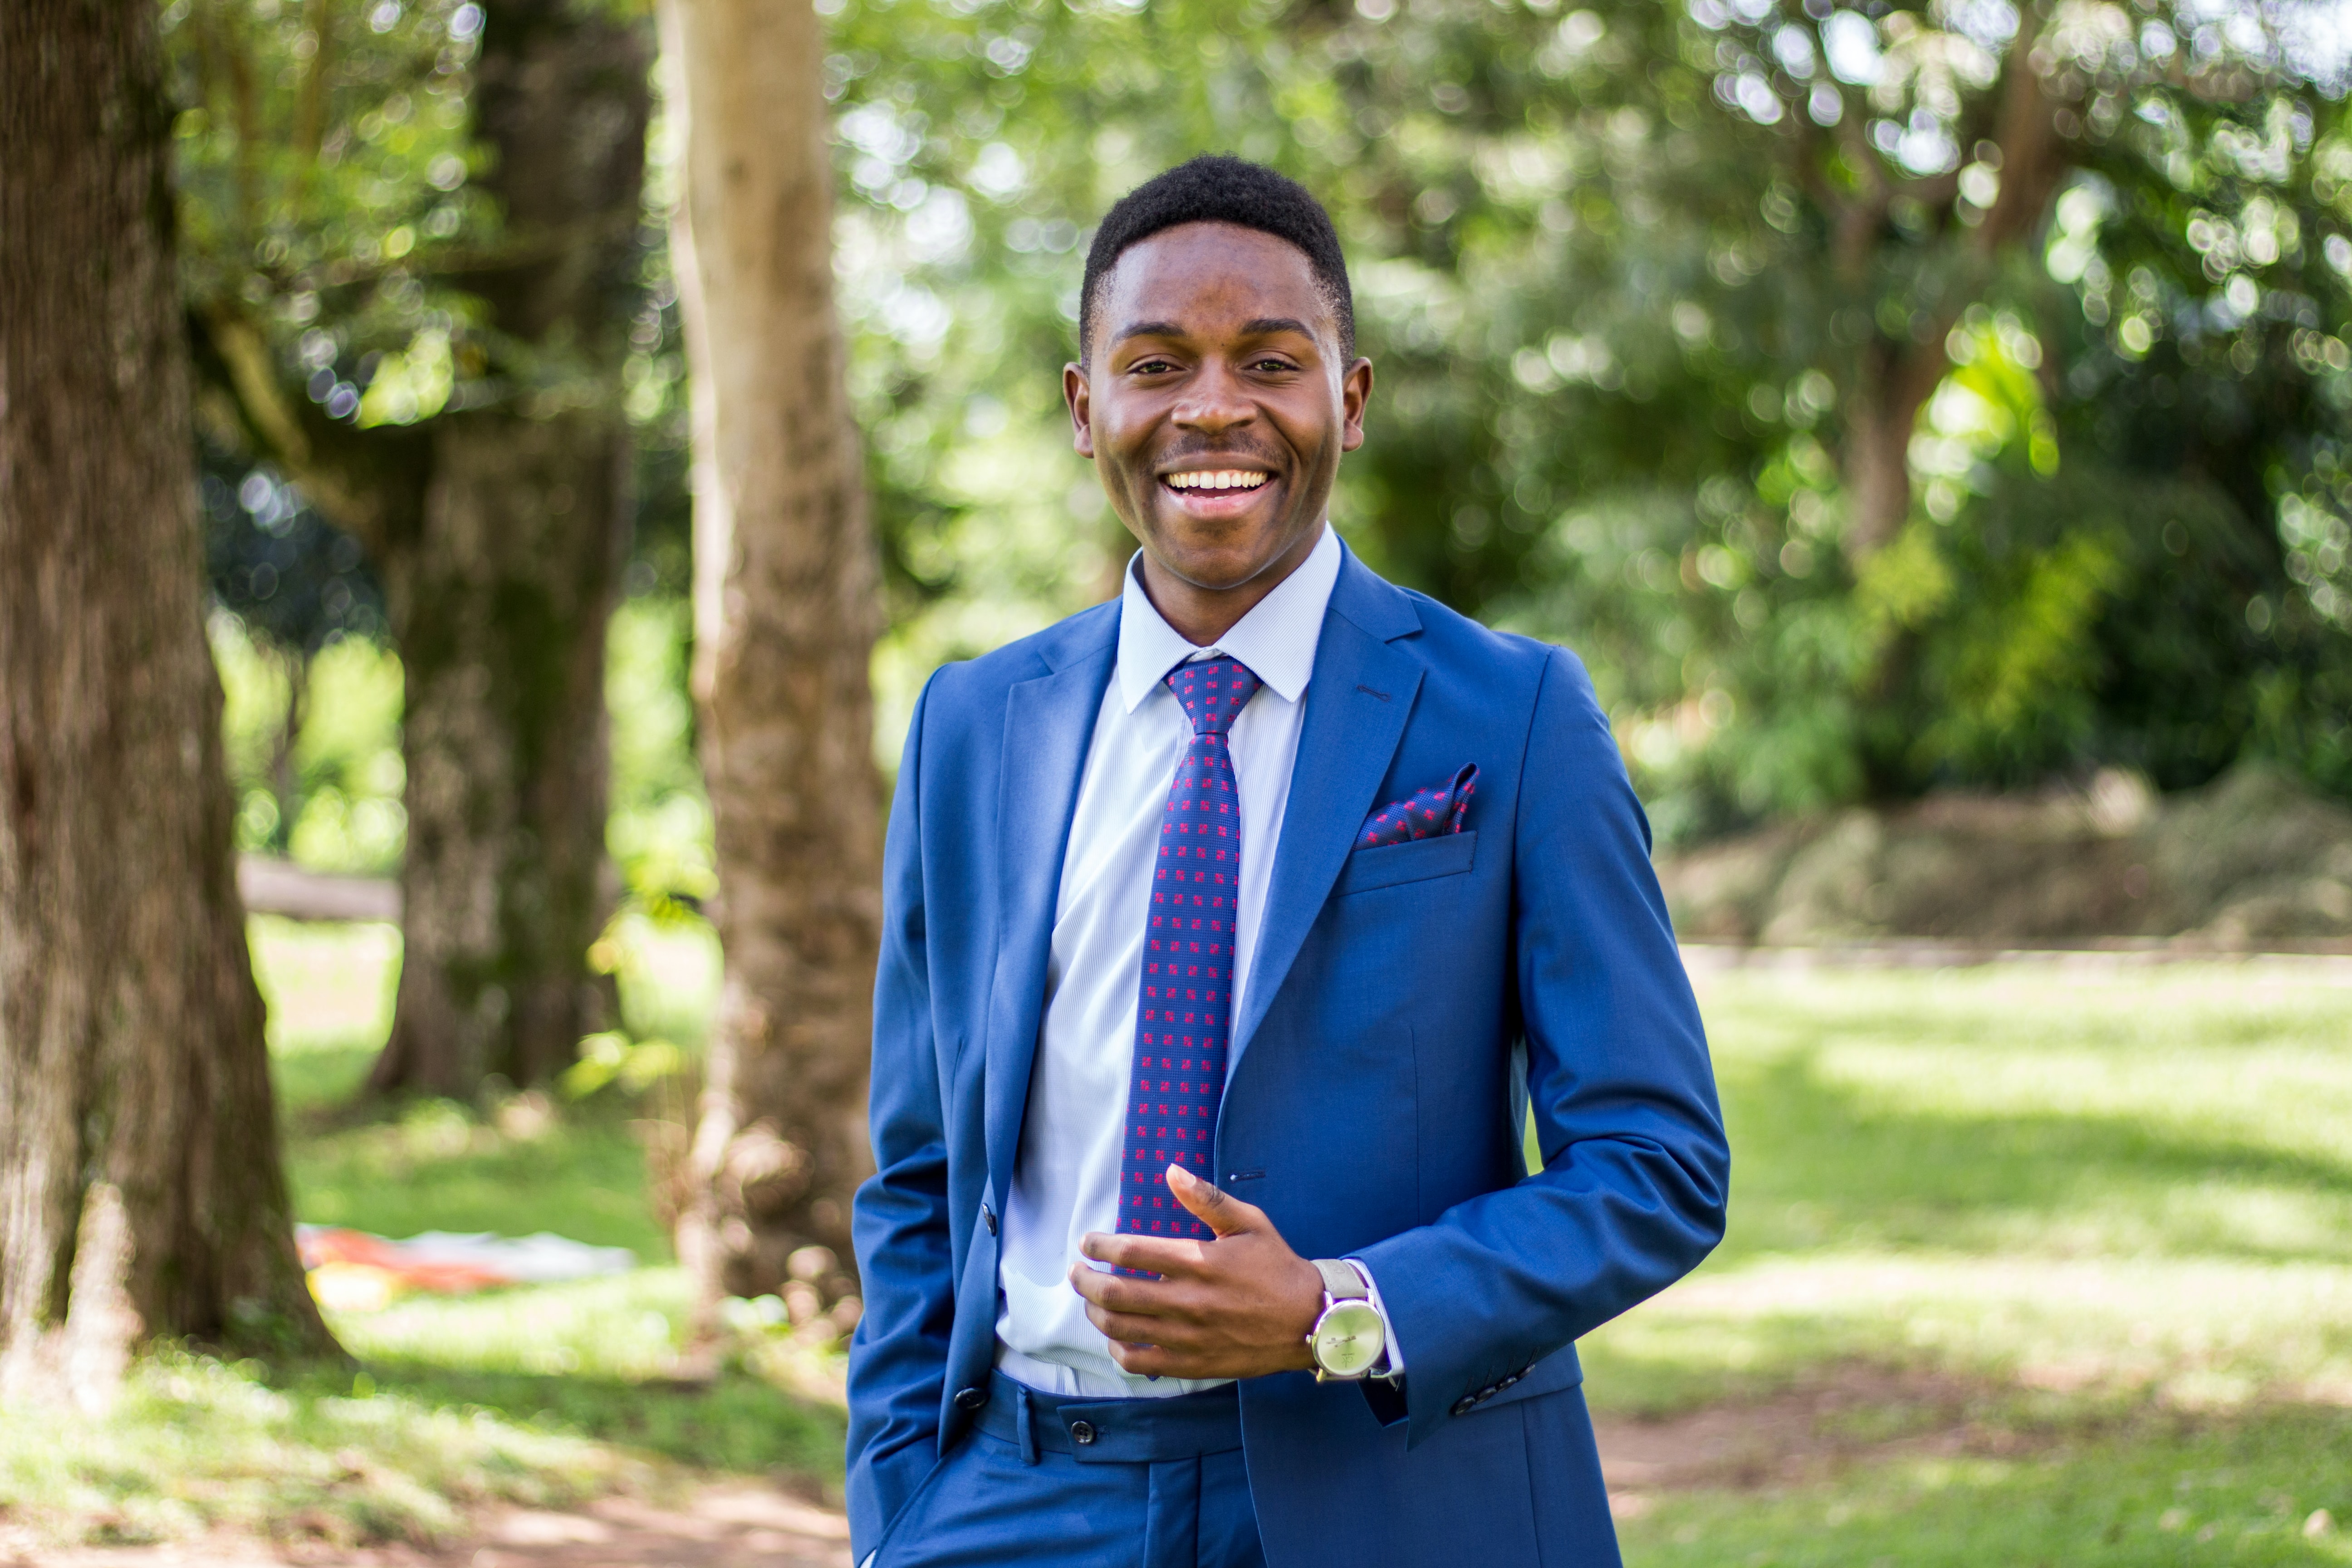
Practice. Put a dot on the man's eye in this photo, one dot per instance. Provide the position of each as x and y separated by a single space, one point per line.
1273 366
1150 366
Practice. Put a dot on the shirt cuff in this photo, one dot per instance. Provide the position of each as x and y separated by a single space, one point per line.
1394 1357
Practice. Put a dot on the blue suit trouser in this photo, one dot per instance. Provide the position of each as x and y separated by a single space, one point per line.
1085 1483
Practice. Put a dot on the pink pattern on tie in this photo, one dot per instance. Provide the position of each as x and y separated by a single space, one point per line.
1183 1010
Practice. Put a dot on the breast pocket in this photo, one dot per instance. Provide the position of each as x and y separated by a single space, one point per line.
1448 854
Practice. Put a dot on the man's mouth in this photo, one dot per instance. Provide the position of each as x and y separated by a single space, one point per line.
1217 480
1216 494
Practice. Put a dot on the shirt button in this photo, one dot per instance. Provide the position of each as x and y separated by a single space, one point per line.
970 1399
1082 1433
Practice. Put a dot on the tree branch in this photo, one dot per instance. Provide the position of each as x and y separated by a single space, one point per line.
372 484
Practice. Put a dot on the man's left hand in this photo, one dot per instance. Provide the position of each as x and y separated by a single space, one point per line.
1240 1305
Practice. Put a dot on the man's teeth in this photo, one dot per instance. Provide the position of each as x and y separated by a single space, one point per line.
1218 480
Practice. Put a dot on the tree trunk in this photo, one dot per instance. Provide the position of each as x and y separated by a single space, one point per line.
500 610
785 616
1895 380
140 1187
501 591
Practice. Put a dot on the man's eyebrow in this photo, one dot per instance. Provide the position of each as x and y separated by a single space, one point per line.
1262 327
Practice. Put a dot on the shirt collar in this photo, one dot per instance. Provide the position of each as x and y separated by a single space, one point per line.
1276 639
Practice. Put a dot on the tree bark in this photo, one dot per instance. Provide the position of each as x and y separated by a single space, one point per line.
500 589
140 1186
786 611
499 611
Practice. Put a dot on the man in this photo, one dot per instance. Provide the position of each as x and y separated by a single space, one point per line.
1233 929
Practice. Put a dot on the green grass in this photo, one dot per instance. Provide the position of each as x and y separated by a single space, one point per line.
2111 1216
2156 1491
2135 1183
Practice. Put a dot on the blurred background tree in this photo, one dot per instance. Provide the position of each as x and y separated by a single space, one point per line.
141 1191
785 616
415 263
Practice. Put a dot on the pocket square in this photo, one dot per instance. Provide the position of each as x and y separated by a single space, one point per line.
1439 809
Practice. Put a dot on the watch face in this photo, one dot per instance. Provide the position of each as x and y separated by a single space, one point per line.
1348 1338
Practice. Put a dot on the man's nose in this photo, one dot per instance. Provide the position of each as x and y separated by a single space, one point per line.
1214 402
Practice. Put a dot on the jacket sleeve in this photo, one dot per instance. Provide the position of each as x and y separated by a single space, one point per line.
1635 1169
897 1357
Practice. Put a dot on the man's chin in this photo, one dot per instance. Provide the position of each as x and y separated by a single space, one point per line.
1218 558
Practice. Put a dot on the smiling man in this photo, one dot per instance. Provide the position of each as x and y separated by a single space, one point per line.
1234 930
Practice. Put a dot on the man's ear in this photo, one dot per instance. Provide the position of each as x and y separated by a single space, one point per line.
1079 397
1355 391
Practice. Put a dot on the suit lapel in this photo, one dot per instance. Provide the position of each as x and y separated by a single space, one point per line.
1048 723
1357 704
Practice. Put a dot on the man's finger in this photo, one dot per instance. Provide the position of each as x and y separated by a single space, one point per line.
1220 1210
1153 1253
1128 1328
1115 1293
1149 1360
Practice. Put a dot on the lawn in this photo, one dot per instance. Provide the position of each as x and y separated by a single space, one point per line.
2072 1250
2089 1235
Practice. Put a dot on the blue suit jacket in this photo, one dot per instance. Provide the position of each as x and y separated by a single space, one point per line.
1408 1004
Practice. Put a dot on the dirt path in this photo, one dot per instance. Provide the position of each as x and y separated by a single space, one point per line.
740 1524
734 1525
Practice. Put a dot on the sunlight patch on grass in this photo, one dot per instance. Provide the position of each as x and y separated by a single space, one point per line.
328 985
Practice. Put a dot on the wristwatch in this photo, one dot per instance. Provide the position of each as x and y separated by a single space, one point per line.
1350 1338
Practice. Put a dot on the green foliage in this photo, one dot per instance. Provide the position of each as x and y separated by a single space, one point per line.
659 831
313 749
1637 280
325 154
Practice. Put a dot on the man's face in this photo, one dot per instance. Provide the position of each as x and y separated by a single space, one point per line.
1215 403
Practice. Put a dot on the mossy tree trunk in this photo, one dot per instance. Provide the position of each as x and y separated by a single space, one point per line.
140 1186
785 616
501 600
499 531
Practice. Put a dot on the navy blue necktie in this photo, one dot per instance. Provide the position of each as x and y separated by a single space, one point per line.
1184 1011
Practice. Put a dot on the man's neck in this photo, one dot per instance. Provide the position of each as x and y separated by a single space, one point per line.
1200 616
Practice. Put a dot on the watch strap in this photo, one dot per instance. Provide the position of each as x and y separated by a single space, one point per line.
1340 1280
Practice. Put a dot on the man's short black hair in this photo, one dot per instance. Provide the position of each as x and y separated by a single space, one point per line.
1218 188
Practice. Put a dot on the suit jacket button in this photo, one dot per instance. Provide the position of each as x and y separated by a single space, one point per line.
970 1399
1082 1433
1508 1381
988 1218
1463 1406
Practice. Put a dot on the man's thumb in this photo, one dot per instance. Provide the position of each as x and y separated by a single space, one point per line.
1225 1216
